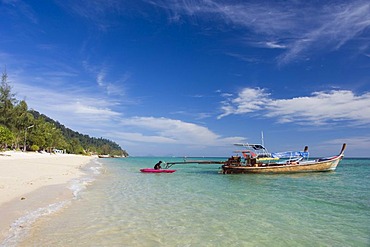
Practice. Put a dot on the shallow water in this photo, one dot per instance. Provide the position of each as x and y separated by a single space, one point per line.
197 206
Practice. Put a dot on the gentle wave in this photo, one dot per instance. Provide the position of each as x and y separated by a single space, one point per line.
196 206
20 228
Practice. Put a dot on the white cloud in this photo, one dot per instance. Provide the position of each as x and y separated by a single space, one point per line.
72 108
242 57
174 131
19 8
95 11
360 142
137 137
296 27
335 26
100 78
77 110
100 72
274 45
80 108
357 146
318 109
248 100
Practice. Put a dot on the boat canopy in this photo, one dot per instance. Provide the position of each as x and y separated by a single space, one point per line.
252 146
256 151
290 154
262 152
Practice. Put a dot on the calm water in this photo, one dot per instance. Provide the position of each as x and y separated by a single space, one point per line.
197 206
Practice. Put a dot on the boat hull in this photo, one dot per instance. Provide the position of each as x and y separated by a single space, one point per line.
309 166
151 170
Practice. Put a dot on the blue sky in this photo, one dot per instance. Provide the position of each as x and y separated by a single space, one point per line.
190 78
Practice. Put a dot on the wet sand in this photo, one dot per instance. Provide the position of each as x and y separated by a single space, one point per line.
29 181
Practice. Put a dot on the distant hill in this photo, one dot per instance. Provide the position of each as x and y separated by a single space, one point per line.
24 129
100 145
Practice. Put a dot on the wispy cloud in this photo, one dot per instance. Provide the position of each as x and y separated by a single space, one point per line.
137 137
242 57
297 27
96 11
360 142
24 73
320 108
248 100
73 107
175 131
19 8
101 72
80 110
197 115
274 45
335 26
357 146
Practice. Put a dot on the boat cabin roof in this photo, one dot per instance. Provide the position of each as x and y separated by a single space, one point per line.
253 146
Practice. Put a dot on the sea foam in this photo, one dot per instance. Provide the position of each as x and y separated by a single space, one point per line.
20 228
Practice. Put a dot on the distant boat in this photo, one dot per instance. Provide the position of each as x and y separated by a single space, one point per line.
104 156
110 156
295 162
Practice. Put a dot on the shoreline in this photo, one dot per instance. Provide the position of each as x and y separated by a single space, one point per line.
34 184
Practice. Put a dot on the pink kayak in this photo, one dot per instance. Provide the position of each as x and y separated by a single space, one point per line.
151 170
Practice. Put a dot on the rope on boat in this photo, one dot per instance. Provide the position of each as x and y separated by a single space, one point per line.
204 162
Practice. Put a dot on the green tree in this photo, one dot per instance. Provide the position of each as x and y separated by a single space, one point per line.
47 136
21 121
76 147
7 101
106 149
6 137
58 140
92 149
53 137
37 135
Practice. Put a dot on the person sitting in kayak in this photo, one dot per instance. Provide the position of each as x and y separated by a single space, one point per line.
158 165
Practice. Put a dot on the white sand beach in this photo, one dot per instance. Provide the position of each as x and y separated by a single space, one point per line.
29 181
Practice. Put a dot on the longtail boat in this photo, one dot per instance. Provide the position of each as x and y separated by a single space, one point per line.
300 163
256 159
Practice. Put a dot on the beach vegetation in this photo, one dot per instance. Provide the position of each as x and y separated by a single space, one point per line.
22 128
106 149
76 147
7 99
35 148
6 137
20 120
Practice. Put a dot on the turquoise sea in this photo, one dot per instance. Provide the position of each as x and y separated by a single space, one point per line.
116 205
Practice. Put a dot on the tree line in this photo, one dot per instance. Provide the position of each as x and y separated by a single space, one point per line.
24 129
